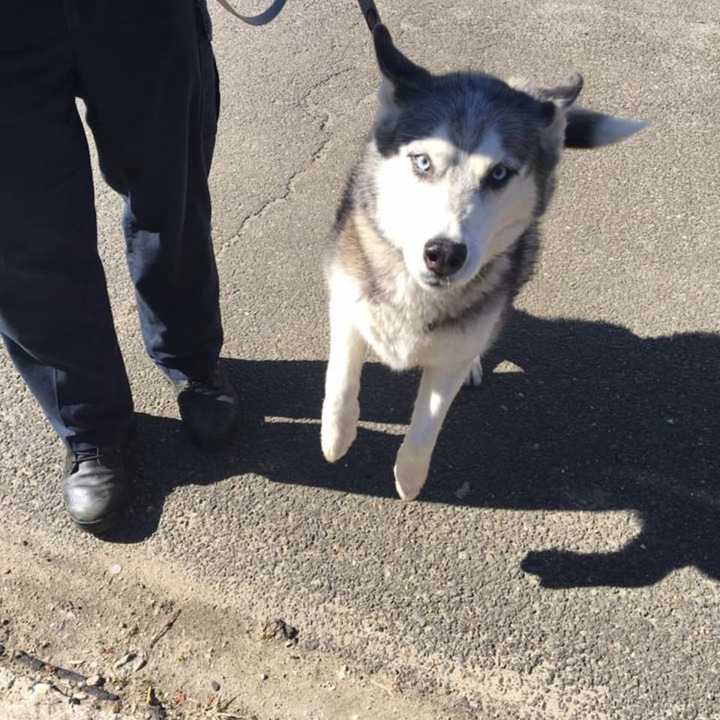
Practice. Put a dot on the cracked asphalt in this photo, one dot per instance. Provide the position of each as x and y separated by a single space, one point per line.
564 561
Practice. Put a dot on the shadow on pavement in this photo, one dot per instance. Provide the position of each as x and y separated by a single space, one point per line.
593 418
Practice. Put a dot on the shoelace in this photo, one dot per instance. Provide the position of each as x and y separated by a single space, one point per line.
84 455
205 388
210 387
215 388
81 456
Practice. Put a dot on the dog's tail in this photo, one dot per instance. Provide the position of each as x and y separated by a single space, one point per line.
588 129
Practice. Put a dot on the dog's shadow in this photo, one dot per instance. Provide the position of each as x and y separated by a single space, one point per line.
588 417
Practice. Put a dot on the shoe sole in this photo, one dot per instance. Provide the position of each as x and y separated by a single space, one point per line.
97 528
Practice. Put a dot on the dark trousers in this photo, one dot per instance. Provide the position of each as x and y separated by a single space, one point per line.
146 73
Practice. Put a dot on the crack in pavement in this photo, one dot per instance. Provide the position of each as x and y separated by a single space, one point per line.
316 113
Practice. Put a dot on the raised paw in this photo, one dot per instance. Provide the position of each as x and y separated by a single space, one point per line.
339 428
411 470
474 379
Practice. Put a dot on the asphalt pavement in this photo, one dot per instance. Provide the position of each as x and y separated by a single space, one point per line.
564 560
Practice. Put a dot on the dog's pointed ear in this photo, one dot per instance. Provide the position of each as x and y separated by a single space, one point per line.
587 129
564 95
584 128
573 126
553 102
396 67
400 77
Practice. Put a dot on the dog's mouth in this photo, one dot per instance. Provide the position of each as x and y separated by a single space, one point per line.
435 282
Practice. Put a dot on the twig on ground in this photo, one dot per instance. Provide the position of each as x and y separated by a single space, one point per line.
69 676
164 629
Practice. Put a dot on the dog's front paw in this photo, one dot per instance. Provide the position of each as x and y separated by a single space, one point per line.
474 379
411 470
339 428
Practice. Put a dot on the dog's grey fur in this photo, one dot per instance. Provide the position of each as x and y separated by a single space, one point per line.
377 282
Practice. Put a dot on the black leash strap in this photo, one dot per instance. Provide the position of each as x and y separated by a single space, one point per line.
367 8
370 13
256 20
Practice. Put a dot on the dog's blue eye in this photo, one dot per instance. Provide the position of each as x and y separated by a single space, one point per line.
499 175
422 164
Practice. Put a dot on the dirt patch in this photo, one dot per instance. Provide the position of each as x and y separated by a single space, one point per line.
70 628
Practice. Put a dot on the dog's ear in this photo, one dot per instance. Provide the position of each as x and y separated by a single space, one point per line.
577 127
561 96
584 128
401 77
587 129
401 72
553 102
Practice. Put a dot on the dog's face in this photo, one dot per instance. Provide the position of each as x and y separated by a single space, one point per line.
466 162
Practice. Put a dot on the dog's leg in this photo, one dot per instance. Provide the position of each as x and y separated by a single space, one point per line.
438 389
474 379
341 409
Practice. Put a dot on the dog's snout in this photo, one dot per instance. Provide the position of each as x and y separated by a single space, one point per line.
444 257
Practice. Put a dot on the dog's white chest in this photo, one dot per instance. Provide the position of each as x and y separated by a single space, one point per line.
398 330
403 340
389 334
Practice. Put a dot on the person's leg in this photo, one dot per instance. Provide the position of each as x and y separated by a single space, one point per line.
54 312
55 317
149 76
152 92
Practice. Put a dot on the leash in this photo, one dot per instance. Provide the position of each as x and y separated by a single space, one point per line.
256 20
367 8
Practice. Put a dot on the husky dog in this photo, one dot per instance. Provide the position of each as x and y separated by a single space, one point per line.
438 231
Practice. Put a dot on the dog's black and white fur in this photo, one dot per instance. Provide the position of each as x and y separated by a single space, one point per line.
437 233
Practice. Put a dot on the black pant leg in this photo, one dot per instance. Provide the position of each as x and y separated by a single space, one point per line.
151 87
54 312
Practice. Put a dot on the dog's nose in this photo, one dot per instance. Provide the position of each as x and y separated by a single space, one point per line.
444 257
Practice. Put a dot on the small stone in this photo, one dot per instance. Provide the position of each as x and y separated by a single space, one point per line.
507 367
94 681
41 689
264 677
6 681
80 696
215 685
279 630
115 569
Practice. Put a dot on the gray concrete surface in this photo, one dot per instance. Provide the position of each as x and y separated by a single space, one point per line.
578 578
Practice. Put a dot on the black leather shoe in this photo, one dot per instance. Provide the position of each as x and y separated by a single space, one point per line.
96 487
209 409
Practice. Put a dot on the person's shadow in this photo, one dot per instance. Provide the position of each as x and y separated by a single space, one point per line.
590 417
